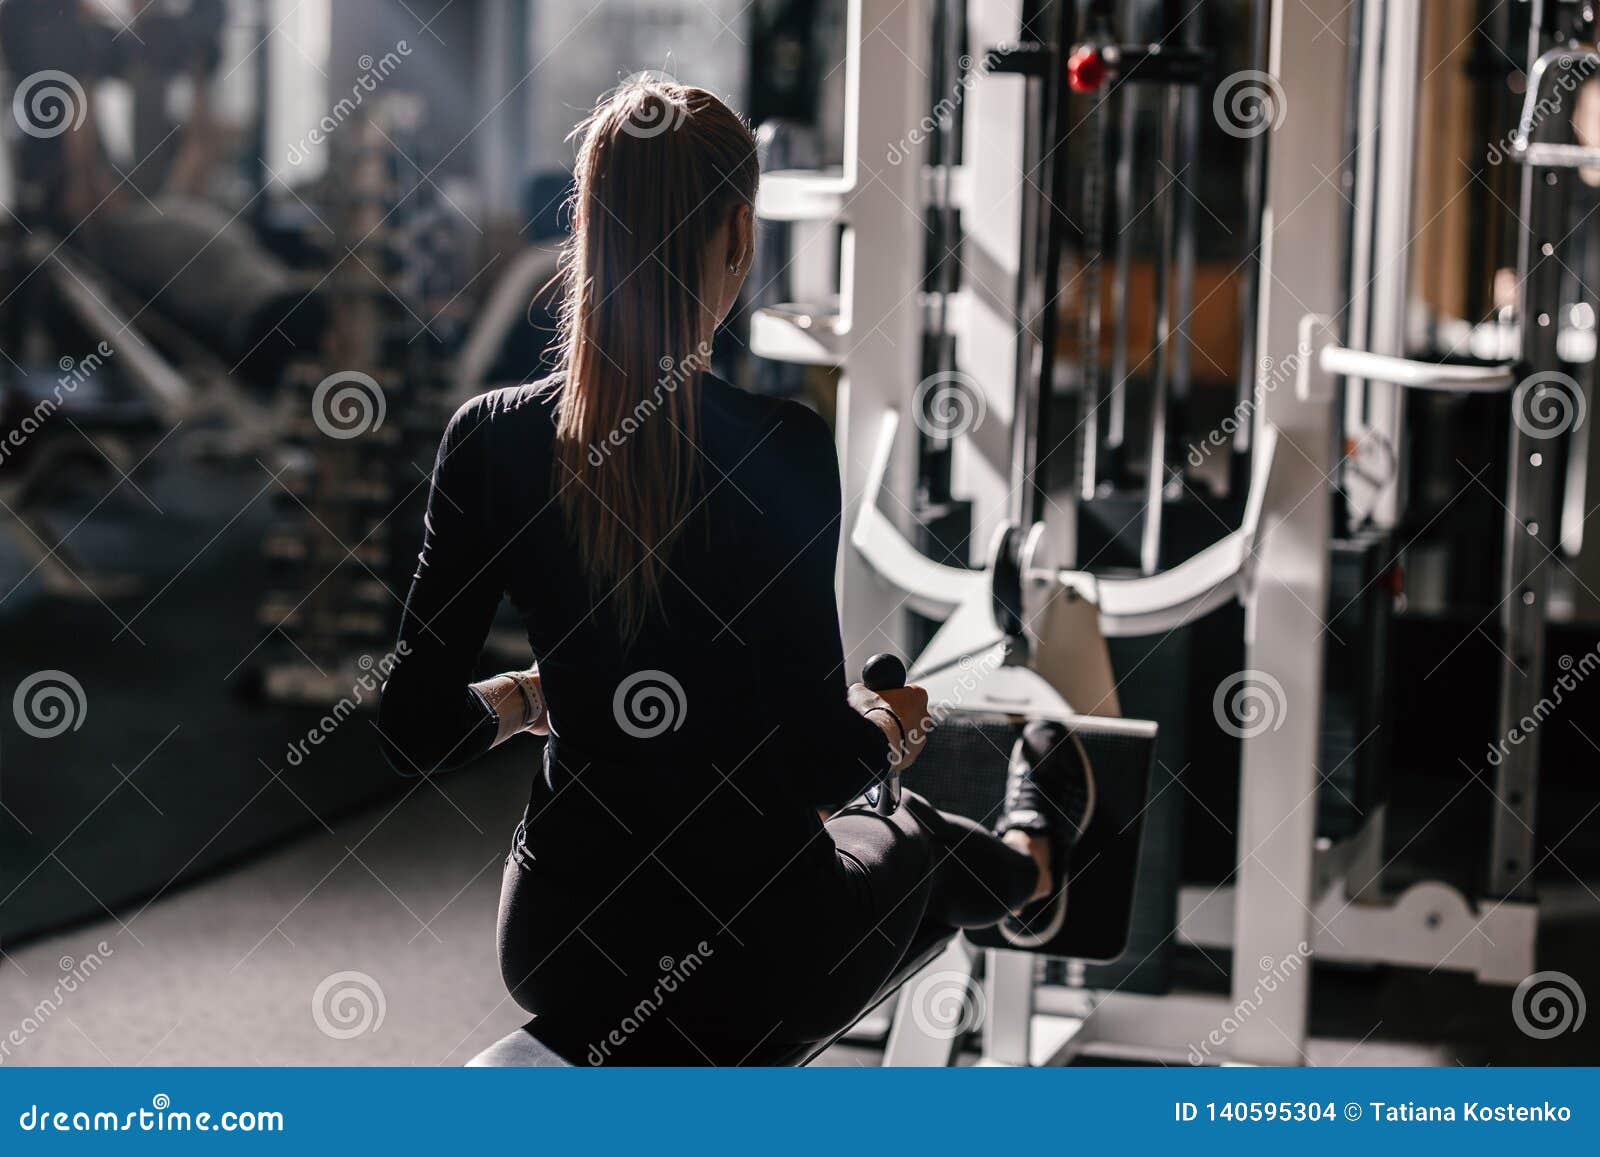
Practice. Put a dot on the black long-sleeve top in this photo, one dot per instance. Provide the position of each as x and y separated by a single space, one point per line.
741 674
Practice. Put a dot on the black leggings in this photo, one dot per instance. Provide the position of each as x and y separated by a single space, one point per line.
624 982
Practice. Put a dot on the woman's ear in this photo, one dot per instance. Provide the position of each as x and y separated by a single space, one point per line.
741 237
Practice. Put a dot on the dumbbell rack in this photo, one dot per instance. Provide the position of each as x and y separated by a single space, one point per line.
349 507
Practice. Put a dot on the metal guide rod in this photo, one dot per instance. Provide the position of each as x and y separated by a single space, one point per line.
1092 310
1392 242
1365 98
1039 276
1029 307
1183 291
1250 269
1117 400
1047 446
1150 544
1099 23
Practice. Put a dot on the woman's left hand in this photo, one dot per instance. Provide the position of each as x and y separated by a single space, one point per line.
517 699
533 695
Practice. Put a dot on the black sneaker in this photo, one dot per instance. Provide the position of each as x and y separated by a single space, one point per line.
1049 791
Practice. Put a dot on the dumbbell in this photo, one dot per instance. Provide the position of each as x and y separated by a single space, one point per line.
883 672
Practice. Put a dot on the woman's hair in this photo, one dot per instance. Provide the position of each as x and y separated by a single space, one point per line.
660 166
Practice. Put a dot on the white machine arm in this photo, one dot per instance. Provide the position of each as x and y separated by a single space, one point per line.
1324 360
1348 363
1143 605
932 588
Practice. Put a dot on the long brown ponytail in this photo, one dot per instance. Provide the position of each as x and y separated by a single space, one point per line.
659 168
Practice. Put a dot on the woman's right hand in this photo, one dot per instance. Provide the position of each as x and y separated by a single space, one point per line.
901 713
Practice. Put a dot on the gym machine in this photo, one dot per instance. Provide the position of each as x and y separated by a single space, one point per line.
1309 538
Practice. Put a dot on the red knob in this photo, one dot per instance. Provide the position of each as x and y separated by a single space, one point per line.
1086 69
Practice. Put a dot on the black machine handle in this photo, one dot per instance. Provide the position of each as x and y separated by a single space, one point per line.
884 672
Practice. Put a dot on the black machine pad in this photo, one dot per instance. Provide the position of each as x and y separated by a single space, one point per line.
963 770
